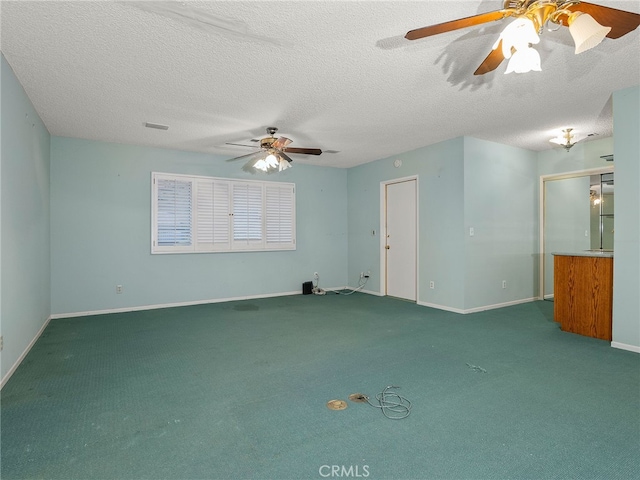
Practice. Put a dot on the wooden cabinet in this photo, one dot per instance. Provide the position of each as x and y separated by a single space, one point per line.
583 294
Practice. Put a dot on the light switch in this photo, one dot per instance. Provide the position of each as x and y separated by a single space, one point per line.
471 232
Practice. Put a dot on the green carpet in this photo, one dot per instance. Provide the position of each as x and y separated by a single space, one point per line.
238 390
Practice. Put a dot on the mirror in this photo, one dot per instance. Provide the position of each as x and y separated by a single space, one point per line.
601 198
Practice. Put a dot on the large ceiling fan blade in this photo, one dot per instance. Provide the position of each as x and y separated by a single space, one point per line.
455 25
303 151
240 145
281 142
493 60
620 21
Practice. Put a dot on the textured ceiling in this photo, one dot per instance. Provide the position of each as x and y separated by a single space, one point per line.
336 75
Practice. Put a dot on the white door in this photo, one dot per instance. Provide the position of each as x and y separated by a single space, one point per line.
401 239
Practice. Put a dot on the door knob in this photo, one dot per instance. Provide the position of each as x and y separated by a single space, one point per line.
387 247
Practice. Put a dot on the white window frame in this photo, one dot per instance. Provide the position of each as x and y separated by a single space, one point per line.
215 216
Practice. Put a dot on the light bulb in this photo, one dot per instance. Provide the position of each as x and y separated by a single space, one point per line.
518 35
517 39
523 61
284 165
261 165
271 161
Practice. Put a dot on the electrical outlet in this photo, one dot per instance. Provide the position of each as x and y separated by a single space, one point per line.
361 274
504 284
368 274
316 276
432 284
118 289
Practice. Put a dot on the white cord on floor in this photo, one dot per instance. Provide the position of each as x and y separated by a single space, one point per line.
350 291
341 291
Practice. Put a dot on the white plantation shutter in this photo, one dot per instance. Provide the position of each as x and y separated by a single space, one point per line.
280 216
212 215
221 214
247 214
173 217
206 214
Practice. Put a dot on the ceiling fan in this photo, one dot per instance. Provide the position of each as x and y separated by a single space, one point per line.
272 156
588 23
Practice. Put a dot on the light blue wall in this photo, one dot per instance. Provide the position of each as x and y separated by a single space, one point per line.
101 227
567 218
462 183
25 220
626 262
439 169
583 155
501 204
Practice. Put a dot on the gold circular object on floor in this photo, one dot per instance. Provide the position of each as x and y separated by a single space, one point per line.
336 404
358 397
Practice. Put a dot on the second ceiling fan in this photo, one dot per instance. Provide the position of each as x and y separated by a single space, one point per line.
588 23
272 156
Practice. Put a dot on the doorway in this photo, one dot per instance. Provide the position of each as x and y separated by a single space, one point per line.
401 238
567 219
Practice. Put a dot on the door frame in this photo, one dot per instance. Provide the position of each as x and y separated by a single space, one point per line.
383 232
541 210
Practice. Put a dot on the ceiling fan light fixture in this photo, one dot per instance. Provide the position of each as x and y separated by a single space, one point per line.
283 165
518 35
523 61
517 39
259 164
540 12
585 31
271 161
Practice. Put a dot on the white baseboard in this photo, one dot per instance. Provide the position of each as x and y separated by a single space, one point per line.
548 296
169 305
500 305
477 309
441 307
24 354
186 304
371 292
624 346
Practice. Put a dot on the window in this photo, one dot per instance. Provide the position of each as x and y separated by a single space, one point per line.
207 214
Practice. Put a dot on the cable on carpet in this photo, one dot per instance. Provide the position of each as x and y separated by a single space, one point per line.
476 368
393 405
